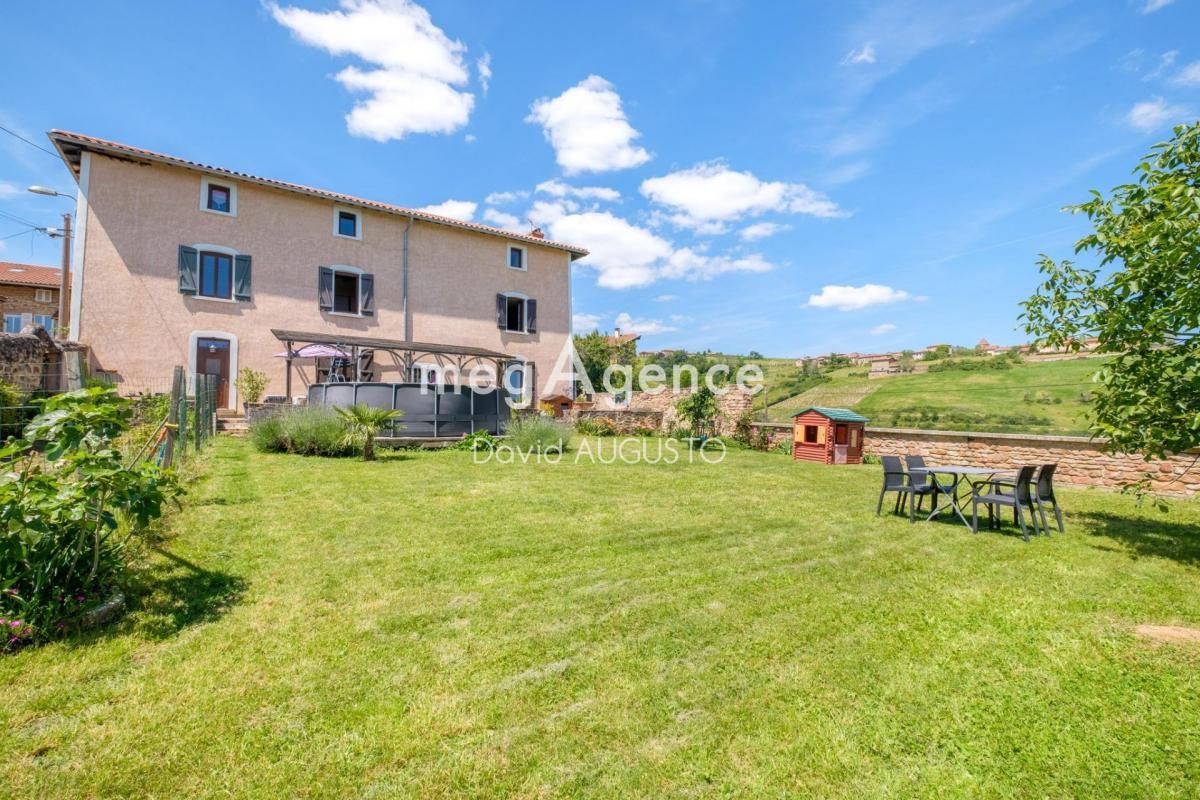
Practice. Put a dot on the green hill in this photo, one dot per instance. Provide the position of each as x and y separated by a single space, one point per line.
1045 397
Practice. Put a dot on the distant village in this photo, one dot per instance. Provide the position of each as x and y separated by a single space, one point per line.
882 365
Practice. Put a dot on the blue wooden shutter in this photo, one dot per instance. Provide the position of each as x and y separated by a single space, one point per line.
189 270
241 277
366 294
325 288
531 316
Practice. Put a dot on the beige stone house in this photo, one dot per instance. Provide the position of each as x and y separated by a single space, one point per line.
180 263
29 296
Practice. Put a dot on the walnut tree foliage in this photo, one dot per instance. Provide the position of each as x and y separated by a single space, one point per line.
1141 301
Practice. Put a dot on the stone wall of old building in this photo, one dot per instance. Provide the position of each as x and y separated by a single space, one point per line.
22 300
23 358
624 421
1081 461
730 406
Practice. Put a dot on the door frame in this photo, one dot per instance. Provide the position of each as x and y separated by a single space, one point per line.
193 340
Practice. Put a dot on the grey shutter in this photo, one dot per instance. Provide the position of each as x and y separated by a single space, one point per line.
531 316
241 277
501 312
366 294
189 270
325 288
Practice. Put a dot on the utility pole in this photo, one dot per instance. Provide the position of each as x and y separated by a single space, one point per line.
64 288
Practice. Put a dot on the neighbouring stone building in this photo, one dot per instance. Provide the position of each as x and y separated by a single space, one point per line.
29 296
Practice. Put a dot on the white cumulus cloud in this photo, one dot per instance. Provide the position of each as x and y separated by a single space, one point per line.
853 298
558 188
587 127
1150 115
500 198
415 66
629 324
584 323
707 196
455 209
623 255
761 230
9 190
879 330
627 256
500 219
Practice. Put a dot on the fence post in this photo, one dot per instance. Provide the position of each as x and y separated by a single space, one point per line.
172 416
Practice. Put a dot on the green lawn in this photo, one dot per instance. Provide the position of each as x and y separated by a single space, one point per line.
427 627
971 400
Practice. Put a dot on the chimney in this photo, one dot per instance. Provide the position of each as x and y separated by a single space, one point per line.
617 333
536 233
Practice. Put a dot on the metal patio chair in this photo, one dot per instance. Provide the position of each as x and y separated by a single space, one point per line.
1022 498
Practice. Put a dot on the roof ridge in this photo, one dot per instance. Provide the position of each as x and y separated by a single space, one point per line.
58 135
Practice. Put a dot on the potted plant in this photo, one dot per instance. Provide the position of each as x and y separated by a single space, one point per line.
250 383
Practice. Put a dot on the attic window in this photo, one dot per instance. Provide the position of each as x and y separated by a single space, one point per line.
218 196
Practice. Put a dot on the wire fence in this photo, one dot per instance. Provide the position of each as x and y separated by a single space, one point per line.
173 419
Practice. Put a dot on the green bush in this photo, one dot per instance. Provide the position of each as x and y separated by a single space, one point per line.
535 433
595 426
479 440
69 509
306 431
13 411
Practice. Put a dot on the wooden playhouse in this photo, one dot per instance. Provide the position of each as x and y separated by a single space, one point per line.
828 435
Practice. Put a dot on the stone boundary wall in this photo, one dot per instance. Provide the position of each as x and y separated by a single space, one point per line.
624 421
1081 461
730 406
777 432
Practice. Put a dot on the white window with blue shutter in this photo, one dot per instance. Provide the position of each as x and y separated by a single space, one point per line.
214 272
345 290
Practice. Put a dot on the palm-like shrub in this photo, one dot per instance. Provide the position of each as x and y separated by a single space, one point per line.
363 424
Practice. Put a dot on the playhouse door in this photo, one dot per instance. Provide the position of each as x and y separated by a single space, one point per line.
841 447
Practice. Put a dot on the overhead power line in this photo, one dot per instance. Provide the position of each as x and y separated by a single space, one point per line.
16 135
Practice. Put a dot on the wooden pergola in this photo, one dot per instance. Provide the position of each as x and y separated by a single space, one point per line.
406 353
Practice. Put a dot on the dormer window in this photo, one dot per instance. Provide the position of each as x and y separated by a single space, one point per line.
218 196
347 223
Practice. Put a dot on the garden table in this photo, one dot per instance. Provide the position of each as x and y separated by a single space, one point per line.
959 474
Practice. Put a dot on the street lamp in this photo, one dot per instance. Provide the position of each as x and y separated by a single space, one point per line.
64 291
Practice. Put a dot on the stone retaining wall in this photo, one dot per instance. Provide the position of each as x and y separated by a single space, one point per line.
730 406
624 421
1081 461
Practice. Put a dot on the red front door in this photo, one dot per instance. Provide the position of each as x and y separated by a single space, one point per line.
212 358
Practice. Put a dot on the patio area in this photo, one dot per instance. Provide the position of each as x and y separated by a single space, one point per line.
747 629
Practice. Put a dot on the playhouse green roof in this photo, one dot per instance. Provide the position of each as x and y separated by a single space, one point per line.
836 414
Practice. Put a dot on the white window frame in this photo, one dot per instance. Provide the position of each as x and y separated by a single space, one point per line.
358 222
524 331
357 272
20 322
524 257
222 250
522 364
205 180
43 295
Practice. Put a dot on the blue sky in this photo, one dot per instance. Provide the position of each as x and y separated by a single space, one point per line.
791 177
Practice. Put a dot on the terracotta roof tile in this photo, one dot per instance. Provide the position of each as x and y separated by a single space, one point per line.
29 275
67 138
